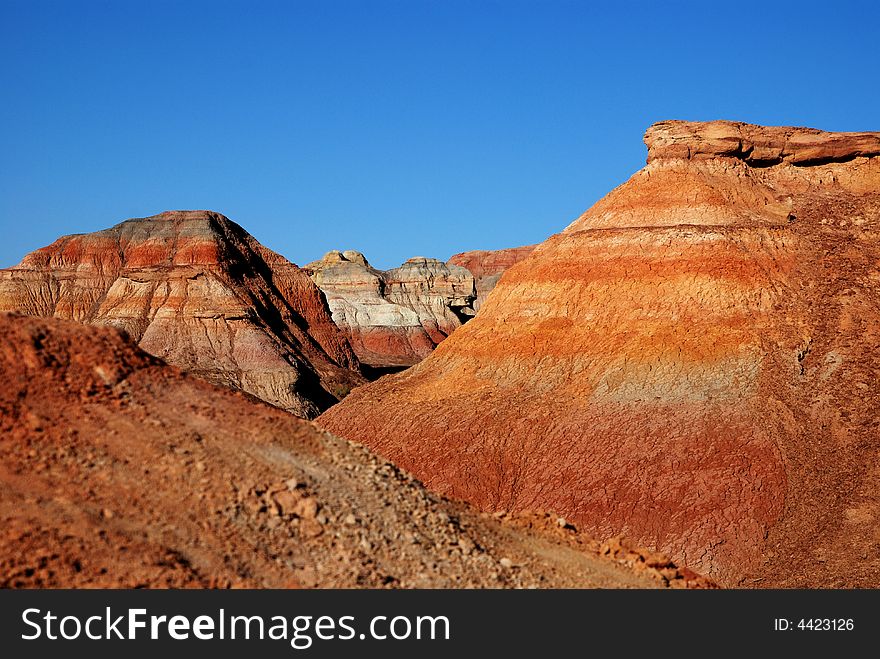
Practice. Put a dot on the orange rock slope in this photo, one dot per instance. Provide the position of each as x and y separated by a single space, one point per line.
117 470
692 362
197 290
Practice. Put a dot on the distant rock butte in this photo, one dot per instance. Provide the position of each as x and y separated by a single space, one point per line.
692 362
394 317
487 266
195 289
397 317
118 470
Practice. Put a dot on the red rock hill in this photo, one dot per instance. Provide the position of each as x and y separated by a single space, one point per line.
692 362
487 266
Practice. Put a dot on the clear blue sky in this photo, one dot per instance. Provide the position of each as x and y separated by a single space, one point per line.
398 128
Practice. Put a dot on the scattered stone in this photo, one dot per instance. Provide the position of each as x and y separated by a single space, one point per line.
306 508
466 545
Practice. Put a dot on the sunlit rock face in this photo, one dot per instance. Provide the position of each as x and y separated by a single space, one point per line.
394 317
692 362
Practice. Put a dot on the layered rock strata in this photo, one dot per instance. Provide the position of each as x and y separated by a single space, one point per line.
487 266
394 317
195 289
691 362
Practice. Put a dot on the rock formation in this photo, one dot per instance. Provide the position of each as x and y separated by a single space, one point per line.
117 470
487 266
692 362
197 290
394 317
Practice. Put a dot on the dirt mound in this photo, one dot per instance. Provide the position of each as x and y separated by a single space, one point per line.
692 363
119 470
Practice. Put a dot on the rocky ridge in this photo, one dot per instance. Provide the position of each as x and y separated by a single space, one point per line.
487 266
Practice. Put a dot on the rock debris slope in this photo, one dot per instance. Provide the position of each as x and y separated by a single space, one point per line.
117 470
394 317
693 362
195 289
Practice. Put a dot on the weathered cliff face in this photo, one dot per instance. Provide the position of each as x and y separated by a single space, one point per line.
118 470
197 290
692 362
487 266
394 317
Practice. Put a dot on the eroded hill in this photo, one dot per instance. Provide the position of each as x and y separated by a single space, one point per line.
197 290
692 362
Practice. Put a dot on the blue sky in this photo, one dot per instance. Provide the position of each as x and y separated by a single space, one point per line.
398 128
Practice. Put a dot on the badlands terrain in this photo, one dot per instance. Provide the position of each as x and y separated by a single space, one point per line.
197 290
118 470
394 317
692 362
682 381
487 266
